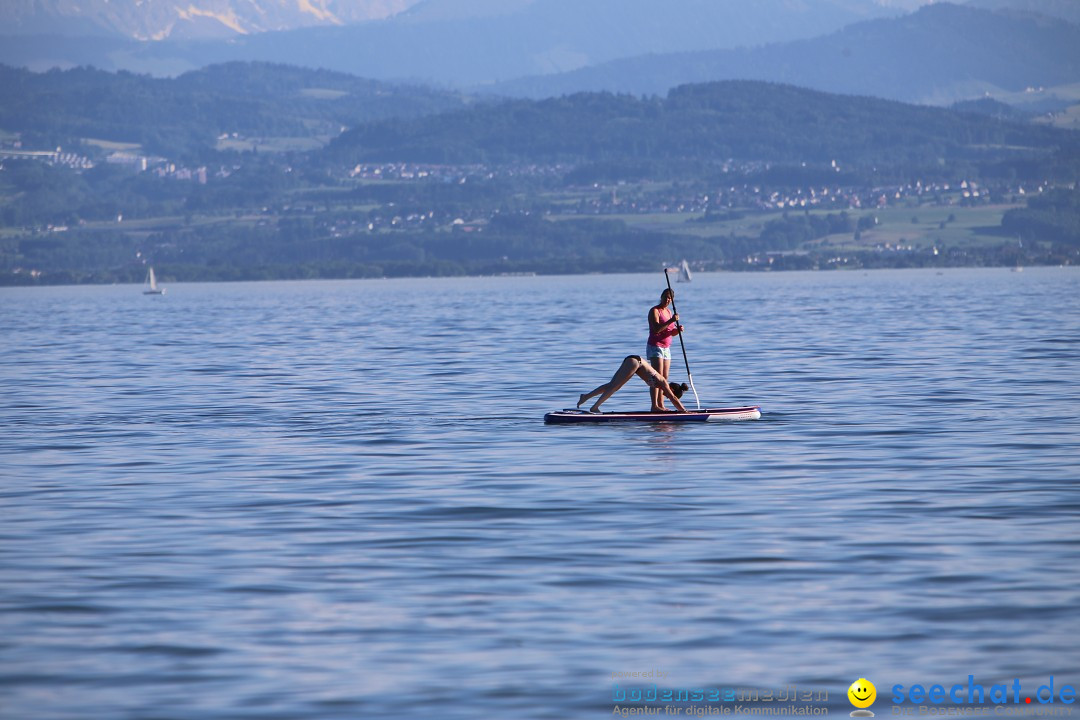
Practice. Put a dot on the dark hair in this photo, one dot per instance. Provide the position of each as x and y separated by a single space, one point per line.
669 292
677 389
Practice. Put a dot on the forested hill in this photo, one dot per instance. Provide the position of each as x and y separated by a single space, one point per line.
183 117
741 120
1068 10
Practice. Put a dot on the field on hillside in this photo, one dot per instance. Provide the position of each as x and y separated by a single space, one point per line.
925 225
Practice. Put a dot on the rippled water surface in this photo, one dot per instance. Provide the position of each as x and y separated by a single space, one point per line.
339 500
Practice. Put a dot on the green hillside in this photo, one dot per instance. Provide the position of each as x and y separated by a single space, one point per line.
185 116
732 175
696 125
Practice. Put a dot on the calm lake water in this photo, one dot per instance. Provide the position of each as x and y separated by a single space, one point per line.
339 500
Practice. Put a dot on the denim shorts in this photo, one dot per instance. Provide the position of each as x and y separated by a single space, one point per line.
653 352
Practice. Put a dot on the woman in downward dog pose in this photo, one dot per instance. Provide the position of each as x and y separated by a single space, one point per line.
634 365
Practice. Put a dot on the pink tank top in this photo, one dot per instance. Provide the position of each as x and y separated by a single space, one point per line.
663 337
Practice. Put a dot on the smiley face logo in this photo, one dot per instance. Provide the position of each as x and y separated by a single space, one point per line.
862 693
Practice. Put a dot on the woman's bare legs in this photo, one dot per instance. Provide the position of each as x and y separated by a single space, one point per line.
663 367
622 375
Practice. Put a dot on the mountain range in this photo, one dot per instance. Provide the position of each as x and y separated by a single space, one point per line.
453 42
939 54
161 19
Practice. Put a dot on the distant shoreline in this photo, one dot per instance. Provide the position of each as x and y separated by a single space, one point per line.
5 282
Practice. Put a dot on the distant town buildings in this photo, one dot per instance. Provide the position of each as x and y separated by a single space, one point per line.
53 157
14 150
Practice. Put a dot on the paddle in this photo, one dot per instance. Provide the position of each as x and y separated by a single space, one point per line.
675 311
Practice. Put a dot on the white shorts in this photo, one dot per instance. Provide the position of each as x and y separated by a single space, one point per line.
652 352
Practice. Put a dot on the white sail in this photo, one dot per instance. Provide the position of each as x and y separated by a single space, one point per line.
151 285
684 272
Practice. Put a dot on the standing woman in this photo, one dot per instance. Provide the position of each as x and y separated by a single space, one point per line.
663 325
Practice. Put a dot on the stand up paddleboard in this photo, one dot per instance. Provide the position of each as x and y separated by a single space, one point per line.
751 412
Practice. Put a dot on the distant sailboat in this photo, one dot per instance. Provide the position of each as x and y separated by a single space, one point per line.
151 285
684 272
681 272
